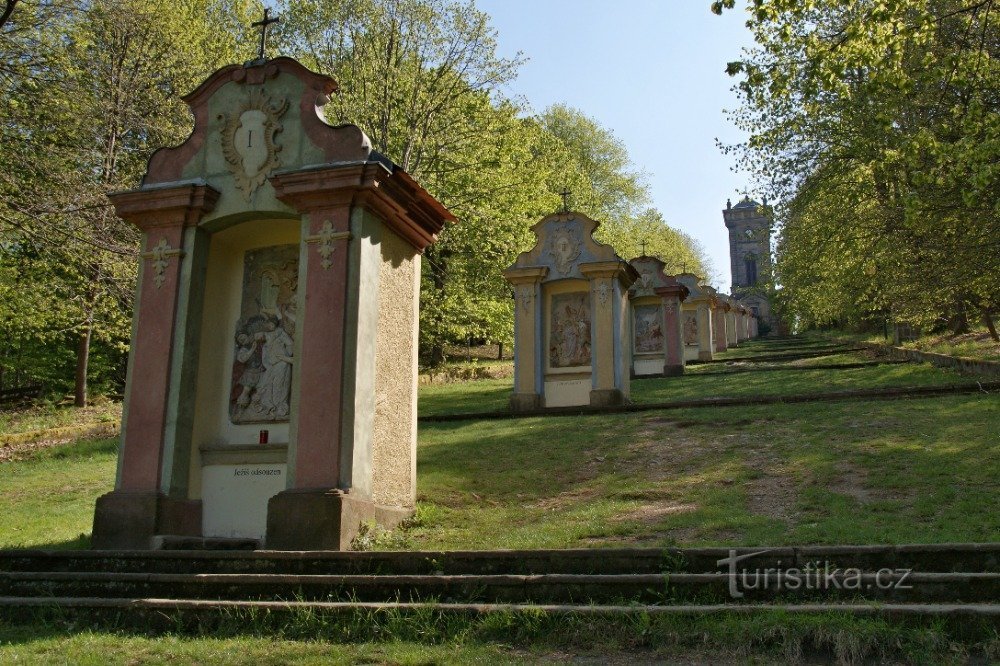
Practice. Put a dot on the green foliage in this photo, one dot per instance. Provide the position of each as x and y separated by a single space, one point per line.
96 90
89 89
422 78
877 124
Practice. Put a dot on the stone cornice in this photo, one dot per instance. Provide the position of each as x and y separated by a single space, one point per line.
158 206
526 275
622 270
678 290
393 196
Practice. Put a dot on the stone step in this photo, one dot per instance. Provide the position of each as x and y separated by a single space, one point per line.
174 542
948 557
551 588
151 613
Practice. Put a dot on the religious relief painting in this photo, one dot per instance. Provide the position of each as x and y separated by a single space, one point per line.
262 368
648 329
569 335
690 328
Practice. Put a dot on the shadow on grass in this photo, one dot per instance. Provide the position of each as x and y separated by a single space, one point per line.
896 472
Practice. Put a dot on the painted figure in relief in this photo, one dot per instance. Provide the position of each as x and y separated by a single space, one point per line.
265 337
690 328
569 337
648 329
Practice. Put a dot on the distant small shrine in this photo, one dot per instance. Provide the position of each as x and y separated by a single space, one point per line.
271 392
571 318
657 336
720 324
697 318
733 318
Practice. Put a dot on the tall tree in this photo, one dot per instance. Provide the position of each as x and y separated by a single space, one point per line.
877 123
88 114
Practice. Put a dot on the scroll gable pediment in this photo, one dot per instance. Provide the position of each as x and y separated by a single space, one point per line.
565 241
252 121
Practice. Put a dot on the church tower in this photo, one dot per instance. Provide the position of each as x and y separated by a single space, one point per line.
750 255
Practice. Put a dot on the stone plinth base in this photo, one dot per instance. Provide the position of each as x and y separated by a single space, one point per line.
323 519
607 398
129 520
526 402
704 356
673 370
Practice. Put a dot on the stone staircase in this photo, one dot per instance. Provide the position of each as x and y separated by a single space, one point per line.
952 580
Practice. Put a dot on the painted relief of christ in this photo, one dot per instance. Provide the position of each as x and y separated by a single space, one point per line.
690 328
569 330
648 329
265 336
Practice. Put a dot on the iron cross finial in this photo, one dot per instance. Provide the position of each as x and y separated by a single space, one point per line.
644 247
565 197
262 24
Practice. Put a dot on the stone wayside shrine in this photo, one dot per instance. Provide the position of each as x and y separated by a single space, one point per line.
696 318
733 335
656 332
271 389
720 309
571 314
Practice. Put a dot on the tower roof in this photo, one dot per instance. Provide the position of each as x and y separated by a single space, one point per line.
747 203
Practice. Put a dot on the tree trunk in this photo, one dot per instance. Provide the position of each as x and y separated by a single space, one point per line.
83 344
500 351
960 320
988 320
82 360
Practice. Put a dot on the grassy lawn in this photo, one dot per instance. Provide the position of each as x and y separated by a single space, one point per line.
976 344
48 416
919 470
793 382
492 395
28 644
484 395
504 638
901 471
47 500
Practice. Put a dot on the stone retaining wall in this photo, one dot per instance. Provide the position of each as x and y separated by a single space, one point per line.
963 364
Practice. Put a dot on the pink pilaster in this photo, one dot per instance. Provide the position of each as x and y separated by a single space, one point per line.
719 326
318 441
673 339
162 215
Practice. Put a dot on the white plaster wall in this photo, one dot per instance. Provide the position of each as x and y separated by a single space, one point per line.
648 366
223 293
234 501
567 392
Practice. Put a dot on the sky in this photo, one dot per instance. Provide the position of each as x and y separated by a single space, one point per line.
652 72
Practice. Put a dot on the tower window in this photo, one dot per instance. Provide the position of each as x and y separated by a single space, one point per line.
750 263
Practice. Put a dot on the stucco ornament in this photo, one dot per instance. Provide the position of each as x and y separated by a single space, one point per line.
324 239
670 307
248 139
564 248
646 283
160 255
